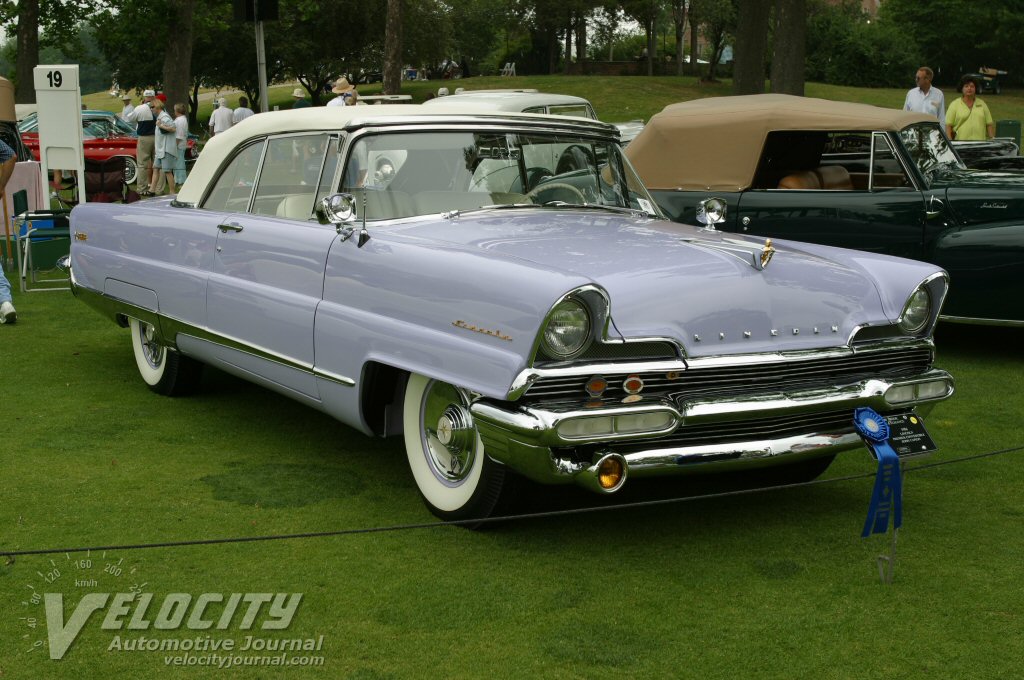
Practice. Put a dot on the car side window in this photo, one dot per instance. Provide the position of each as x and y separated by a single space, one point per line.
579 110
326 186
886 170
290 176
232 190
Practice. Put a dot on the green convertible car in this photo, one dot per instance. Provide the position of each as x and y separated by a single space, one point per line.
848 175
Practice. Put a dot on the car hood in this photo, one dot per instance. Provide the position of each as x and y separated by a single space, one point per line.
977 179
698 287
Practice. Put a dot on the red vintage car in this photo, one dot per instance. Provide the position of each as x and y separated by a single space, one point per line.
104 136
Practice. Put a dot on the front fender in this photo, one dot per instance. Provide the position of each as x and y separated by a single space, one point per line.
464 316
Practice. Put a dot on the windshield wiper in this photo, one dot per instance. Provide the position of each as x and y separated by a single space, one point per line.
636 212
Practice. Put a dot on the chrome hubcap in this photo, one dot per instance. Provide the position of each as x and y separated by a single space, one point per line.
449 437
151 349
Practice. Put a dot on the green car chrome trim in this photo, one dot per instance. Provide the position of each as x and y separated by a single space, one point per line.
169 328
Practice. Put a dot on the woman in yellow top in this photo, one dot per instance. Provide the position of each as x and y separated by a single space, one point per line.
969 117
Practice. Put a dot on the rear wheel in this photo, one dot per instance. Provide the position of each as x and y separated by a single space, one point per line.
164 370
453 474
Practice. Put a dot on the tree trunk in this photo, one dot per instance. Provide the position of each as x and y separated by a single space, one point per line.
568 48
694 35
193 106
679 19
789 47
751 42
393 48
651 47
581 44
552 50
178 53
28 51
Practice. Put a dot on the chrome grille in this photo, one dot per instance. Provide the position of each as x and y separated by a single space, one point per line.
830 422
748 379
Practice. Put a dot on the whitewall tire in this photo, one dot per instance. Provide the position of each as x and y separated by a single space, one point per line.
453 474
164 370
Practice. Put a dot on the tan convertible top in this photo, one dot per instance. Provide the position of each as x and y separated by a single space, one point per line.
715 143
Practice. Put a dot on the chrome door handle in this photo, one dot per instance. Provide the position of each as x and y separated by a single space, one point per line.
225 228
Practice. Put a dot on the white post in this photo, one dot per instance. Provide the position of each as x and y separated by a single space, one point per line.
59 101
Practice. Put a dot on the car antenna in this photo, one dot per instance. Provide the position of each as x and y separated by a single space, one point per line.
364 235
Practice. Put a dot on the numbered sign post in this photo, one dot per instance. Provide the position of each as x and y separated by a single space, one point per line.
59 103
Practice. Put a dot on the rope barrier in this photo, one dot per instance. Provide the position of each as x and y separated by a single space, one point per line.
9 554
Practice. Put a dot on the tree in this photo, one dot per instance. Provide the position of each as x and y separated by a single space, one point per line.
645 12
177 67
717 22
393 48
679 22
57 20
751 43
28 51
789 46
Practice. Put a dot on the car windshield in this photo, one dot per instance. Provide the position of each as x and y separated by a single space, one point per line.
420 173
930 150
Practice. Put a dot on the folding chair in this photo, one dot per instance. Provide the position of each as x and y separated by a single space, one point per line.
105 182
43 236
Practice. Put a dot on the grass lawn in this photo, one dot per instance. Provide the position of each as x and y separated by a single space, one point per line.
770 585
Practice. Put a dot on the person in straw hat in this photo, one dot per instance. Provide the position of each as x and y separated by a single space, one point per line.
128 108
346 91
300 99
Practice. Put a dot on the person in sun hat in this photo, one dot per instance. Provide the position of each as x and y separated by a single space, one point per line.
128 108
346 91
300 99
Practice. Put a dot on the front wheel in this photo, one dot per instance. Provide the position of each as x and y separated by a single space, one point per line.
455 477
164 370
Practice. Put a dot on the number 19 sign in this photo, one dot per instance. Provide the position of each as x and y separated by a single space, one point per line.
59 104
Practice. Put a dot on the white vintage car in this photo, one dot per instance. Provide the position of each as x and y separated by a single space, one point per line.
507 300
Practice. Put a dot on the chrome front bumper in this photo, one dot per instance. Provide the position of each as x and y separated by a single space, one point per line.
526 437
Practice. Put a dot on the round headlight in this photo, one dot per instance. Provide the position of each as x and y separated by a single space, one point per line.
568 330
917 312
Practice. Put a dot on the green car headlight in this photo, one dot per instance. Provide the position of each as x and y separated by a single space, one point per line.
917 312
568 330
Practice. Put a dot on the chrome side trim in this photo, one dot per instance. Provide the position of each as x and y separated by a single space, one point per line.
980 322
333 377
168 328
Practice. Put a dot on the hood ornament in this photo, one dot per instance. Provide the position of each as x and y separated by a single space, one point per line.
757 257
766 254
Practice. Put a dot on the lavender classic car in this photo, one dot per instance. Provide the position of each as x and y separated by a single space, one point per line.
508 299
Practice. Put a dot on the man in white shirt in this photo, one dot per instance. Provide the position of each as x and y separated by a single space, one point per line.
145 125
222 118
128 108
242 112
924 98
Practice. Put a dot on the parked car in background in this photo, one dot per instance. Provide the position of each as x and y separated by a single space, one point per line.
104 136
1000 153
532 101
509 300
851 175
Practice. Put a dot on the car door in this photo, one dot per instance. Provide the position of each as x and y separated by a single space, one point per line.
269 265
882 209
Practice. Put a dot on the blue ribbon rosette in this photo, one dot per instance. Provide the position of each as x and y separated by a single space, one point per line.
887 497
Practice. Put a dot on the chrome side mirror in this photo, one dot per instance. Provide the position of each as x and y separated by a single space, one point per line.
711 211
336 209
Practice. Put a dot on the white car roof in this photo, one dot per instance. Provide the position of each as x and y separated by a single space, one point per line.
508 101
332 118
